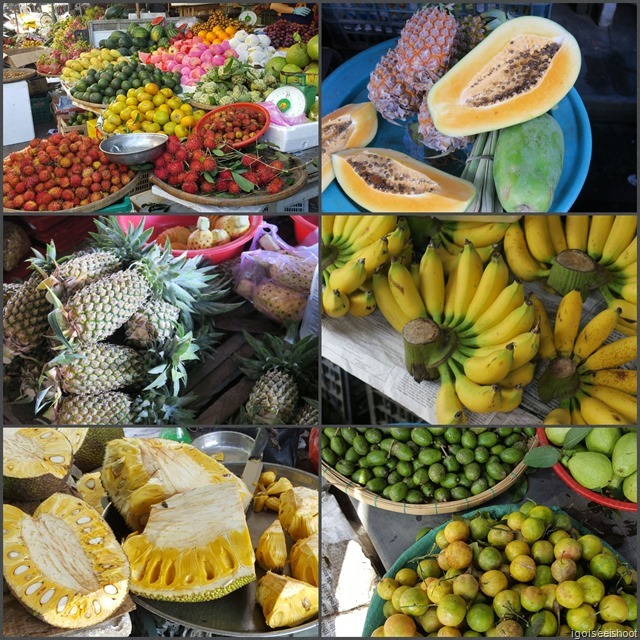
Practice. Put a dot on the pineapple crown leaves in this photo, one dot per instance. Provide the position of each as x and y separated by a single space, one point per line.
272 352
206 337
130 245
160 406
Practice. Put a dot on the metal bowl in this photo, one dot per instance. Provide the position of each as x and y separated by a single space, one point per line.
134 148
235 446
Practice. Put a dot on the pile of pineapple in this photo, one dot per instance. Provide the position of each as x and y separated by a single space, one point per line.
104 335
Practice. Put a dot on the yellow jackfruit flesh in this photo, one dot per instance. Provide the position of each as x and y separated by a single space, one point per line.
36 463
286 602
273 503
271 552
304 560
299 512
140 472
276 488
267 477
91 490
64 564
195 547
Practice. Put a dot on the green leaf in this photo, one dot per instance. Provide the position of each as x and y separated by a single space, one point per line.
574 436
217 152
282 156
533 630
542 457
242 182
208 177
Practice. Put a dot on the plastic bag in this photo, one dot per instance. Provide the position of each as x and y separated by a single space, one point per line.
275 276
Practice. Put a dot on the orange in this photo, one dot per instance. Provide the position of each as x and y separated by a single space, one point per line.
132 102
159 99
149 115
230 31
166 108
153 127
145 105
202 34
180 131
131 93
177 115
174 102
187 108
210 36
142 95
137 116
151 88
161 117
168 93
120 98
188 121
125 114
117 107
198 113
169 128
134 126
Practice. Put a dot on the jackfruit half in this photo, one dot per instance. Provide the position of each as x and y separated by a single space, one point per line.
36 463
64 564
286 602
196 546
140 472
304 560
298 512
89 444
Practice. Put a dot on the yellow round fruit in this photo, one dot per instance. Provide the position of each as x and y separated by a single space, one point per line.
151 88
177 115
149 115
121 98
114 120
108 127
145 105
168 93
169 128
145 125
117 107
159 99
165 108
161 117
141 94
153 127
174 103
180 131
188 121
137 116
132 101
131 93
138 131
187 108
133 126
199 113
125 114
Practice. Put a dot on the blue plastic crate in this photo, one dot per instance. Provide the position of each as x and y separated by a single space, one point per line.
357 26
122 206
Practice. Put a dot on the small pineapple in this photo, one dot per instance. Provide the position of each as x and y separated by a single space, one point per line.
279 303
155 320
273 398
432 138
306 415
15 245
201 238
113 407
8 290
295 273
235 226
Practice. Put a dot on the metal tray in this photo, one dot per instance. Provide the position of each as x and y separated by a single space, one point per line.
235 446
238 614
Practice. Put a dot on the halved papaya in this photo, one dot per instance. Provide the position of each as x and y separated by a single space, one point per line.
354 125
520 71
387 181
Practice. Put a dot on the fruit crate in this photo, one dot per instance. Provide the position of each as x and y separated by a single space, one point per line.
383 410
357 26
65 128
143 183
41 109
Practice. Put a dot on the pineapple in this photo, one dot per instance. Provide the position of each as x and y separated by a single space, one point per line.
9 289
281 369
112 407
286 602
296 273
271 552
15 245
156 320
298 512
432 138
201 238
307 414
235 226
279 303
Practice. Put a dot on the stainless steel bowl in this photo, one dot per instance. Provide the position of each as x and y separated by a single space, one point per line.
134 148
235 446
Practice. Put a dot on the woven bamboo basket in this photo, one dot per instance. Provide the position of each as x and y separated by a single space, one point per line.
19 75
90 106
93 206
428 509
204 107
299 174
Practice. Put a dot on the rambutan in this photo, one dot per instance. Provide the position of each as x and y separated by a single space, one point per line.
209 164
174 167
160 162
248 160
162 173
196 166
193 143
277 164
225 175
182 154
190 176
189 187
173 144
251 177
234 188
173 180
207 187
31 181
75 180
222 185
199 155
275 186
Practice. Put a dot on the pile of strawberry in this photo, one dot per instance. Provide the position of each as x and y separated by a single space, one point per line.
199 166
60 173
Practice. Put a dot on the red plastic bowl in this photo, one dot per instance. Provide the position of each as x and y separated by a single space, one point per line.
566 477
249 106
303 226
214 255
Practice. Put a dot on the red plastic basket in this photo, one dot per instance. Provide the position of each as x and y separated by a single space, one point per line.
303 226
566 477
248 106
214 255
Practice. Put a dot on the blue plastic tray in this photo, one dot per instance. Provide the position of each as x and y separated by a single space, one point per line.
348 84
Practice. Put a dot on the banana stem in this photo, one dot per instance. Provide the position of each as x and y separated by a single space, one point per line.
426 346
479 170
560 380
574 269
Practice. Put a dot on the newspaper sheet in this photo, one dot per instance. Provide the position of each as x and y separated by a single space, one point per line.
371 350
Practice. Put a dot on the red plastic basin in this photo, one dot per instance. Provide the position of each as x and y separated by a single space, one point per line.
567 478
303 226
248 106
214 255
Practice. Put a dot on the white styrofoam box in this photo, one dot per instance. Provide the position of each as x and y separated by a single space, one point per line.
146 16
15 105
295 138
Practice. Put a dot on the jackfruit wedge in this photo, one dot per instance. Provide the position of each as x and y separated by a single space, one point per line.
140 472
91 490
298 512
36 463
304 560
196 546
286 602
64 564
271 552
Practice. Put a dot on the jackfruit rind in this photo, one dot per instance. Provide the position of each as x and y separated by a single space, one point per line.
286 602
90 453
75 435
64 564
304 560
196 547
36 463
91 490
271 552
299 512
140 472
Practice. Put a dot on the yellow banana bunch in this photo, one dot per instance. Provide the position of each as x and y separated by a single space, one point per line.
387 304
518 321
547 349
334 303
449 409
586 370
469 275
584 252
404 290
488 369
362 303
348 278
432 287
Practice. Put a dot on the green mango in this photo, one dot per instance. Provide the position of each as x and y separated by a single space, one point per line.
527 164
